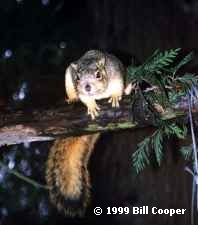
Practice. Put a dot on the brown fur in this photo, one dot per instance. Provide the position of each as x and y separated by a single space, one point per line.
67 174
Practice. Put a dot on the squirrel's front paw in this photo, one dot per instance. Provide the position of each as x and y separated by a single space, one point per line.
114 100
92 109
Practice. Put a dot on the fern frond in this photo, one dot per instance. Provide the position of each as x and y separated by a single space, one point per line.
152 66
161 60
183 62
186 152
140 156
157 72
187 80
157 140
174 130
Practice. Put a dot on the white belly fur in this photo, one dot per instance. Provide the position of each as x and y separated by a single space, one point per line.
115 88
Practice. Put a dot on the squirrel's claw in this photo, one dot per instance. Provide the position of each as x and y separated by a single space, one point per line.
92 110
115 101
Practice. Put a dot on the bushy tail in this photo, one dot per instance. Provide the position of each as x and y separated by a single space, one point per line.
67 175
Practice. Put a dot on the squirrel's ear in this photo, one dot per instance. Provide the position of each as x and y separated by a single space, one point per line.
74 66
101 61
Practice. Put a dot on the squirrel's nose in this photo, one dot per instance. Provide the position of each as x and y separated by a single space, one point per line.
88 88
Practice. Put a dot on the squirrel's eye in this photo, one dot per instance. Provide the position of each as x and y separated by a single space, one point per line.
98 75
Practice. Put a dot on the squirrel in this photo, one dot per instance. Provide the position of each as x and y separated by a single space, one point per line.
96 75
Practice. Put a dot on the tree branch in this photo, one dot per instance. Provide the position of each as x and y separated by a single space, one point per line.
71 119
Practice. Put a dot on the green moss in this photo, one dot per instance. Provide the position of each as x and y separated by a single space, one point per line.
110 126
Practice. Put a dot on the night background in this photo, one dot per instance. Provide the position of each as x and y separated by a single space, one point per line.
38 39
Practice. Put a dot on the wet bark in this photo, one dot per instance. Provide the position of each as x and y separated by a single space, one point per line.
71 119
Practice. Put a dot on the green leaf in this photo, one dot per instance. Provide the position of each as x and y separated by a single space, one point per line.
173 129
159 72
157 140
161 60
183 62
186 152
187 80
153 65
140 156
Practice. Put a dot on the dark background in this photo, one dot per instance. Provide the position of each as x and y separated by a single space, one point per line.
37 41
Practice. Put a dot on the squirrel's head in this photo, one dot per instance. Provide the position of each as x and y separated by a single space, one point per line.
90 74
